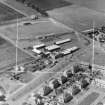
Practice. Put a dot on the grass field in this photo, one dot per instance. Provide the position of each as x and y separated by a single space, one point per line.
28 34
93 4
78 17
7 14
8 54
90 99
99 56
50 4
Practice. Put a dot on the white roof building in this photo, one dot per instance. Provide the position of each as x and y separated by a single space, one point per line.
52 47
70 50
38 46
36 51
62 41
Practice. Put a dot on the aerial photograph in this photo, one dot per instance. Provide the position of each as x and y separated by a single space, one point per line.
52 52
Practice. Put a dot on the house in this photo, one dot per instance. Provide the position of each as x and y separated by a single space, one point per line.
46 90
75 90
67 97
68 73
59 91
63 79
55 83
62 41
84 83
38 46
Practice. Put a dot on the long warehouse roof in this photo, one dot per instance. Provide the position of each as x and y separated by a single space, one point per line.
63 41
52 47
38 46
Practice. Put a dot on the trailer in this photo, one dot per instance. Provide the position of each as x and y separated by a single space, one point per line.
62 41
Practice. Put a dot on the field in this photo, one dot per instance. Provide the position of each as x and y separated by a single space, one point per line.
98 5
87 54
50 4
21 7
78 17
8 54
8 14
28 34
90 99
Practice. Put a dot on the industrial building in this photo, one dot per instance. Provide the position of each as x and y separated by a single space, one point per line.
36 51
66 52
62 41
70 50
38 46
73 49
52 47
